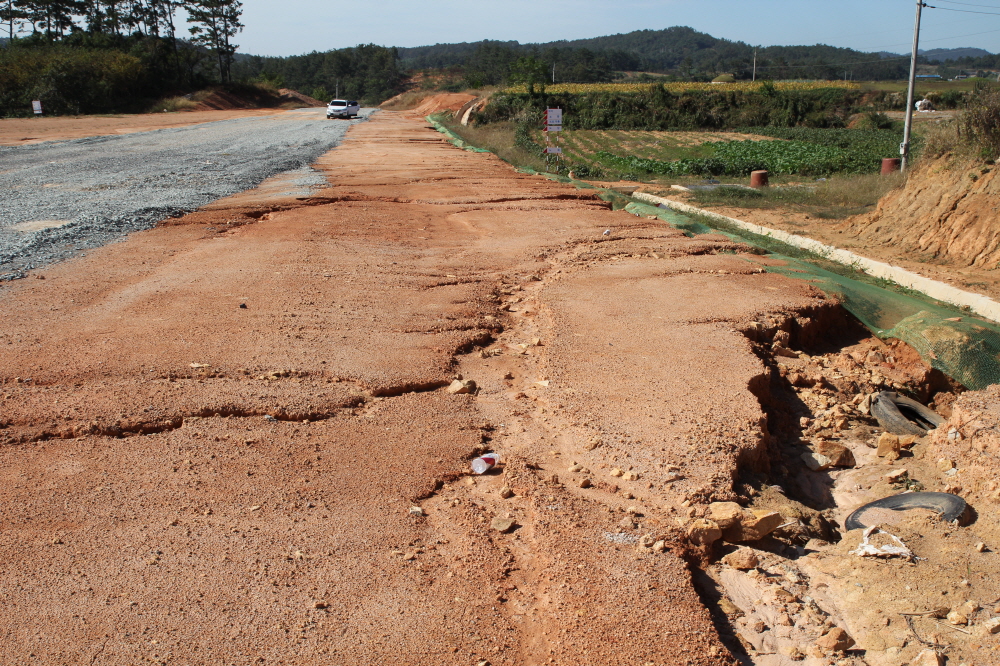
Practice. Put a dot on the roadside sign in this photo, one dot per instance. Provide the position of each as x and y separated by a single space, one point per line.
554 117
36 106
553 128
554 150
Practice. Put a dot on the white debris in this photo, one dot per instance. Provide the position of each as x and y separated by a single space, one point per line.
867 549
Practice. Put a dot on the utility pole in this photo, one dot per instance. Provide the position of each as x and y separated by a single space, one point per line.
755 64
904 148
553 72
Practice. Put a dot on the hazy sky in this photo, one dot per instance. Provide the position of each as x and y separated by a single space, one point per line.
293 27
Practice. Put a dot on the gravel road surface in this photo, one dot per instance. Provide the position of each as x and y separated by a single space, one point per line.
59 198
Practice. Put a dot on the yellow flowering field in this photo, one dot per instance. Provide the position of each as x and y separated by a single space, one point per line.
680 86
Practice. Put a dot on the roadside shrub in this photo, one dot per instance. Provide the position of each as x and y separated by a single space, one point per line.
171 104
979 126
66 80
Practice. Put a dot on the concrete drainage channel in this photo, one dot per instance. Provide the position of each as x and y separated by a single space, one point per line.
64 197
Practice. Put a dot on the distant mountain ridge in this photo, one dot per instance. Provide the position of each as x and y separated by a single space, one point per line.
682 51
944 55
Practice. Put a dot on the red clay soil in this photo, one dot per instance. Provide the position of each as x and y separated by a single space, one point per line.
24 131
187 480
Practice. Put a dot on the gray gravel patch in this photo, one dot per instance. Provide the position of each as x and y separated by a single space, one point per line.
61 198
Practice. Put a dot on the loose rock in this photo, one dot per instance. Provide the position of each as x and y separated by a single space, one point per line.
506 492
725 514
928 658
460 387
816 461
702 532
836 640
502 525
888 446
742 559
753 525
839 455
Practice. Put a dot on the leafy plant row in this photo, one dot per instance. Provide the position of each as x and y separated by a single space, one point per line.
739 158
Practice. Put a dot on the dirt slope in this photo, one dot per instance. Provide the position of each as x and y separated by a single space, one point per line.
185 479
946 213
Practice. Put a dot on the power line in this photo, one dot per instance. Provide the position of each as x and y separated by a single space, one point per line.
964 11
965 4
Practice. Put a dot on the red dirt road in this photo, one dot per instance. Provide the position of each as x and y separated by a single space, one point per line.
184 480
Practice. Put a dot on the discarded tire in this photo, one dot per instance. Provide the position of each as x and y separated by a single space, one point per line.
950 507
901 416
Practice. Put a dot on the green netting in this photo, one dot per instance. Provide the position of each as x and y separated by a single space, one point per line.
963 346
455 139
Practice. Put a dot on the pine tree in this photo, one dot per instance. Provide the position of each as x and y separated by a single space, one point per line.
215 23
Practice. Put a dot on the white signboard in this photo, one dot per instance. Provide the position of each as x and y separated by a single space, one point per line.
554 150
36 105
554 117
554 128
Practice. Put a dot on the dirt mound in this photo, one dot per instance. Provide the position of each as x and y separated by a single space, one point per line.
444 102
255 98
289 95
946 213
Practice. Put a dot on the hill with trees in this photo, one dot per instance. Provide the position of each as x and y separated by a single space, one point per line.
680 52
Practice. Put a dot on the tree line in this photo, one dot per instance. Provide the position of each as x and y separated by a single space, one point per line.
115 23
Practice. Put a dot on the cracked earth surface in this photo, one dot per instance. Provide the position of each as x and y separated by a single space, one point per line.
214 434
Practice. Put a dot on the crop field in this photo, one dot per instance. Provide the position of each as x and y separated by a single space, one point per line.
782 151
682 86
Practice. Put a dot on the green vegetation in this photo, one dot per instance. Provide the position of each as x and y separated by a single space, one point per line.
95 56
367 72
656 108
834 198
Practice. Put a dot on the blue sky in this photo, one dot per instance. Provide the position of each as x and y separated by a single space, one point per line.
293 27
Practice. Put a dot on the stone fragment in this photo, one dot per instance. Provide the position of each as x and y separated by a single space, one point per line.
502 525
725 513
460 387
592 444
989 627
660 546
906 441
980 547
927 658
836 640
896 475
753 525
742 559
945 465
319 605
506 492
815 461
416 511
888 446
839 455
631 475
616 472
585 482
576 468
627 523
633 511
647 541
957 617
702 532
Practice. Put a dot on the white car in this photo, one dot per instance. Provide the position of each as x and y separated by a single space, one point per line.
342 108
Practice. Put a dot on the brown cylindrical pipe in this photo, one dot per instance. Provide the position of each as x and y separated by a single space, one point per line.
890 165
758 179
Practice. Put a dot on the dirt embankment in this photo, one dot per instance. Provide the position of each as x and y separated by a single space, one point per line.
946 214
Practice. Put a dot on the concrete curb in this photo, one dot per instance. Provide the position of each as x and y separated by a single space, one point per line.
981 305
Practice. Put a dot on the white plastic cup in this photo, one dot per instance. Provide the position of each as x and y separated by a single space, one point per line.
485 463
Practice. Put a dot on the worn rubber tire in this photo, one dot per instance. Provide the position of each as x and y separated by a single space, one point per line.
901 416
951 507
